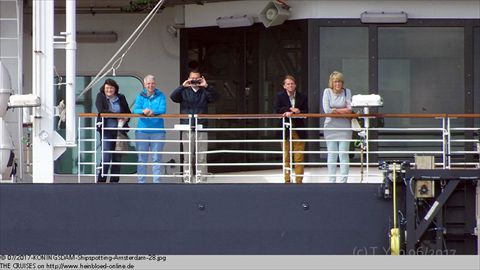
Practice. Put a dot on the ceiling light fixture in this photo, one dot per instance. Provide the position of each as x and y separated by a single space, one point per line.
234 21
383 17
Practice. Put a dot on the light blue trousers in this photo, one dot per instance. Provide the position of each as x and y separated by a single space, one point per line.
153 146
338 150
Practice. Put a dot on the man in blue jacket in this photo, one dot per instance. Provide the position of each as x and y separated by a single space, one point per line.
150 102
194 95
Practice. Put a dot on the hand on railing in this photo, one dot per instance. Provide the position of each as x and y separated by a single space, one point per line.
148 112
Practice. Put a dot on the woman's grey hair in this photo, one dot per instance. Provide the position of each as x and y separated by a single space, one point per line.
149 78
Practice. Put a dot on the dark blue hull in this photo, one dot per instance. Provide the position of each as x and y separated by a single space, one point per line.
193 219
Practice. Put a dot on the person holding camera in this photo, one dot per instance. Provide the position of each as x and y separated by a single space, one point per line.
194 95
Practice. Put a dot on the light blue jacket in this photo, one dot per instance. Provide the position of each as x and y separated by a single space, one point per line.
156 103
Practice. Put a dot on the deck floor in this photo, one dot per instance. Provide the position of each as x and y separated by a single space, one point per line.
312 175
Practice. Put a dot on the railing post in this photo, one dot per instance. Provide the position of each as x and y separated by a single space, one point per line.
197 173
284 158
101 147
446 142
293 176
79 145
189 144
367 146
95 149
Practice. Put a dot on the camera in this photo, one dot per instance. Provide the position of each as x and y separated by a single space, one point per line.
195 81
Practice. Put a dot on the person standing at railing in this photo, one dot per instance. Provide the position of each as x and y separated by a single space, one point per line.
150 102
336 100
194 95
109 100
290 102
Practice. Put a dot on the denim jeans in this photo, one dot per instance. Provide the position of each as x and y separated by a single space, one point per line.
334 147
154 147
109 157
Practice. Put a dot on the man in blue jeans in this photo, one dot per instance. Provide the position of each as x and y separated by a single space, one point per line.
151 134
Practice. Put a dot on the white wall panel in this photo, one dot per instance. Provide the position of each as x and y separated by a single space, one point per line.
205 15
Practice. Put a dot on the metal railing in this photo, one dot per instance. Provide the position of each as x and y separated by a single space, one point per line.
91 149
241 145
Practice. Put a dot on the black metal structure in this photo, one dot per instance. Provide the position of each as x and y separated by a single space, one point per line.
444 224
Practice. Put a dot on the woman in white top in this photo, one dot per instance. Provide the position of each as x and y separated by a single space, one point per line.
336 100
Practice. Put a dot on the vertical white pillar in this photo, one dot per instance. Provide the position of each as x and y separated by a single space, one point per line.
70 52
42 74
20 153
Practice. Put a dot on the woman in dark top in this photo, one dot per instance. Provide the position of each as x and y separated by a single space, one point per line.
109 100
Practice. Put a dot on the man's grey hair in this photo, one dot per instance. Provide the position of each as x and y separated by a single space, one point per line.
149 78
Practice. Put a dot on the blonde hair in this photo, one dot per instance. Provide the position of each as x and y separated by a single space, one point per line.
289 77
336 75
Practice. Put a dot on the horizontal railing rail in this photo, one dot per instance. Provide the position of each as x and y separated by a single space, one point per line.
241 144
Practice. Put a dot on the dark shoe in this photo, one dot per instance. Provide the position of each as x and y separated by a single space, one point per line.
101 179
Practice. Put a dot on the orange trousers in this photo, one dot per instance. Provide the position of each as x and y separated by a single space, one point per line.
297 157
